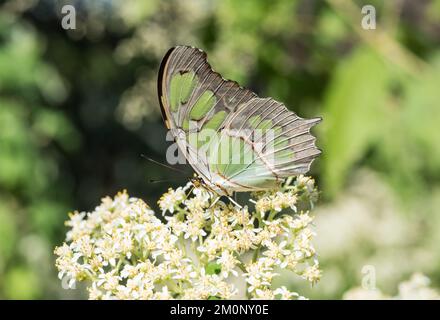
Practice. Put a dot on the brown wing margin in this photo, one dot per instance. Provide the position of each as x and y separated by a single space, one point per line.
159 86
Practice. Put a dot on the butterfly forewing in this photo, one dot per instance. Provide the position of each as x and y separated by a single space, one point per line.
193 93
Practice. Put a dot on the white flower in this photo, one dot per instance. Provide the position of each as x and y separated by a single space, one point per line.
285 294
171 199
259 274
128 271
194 231
228 262
305 182
163 294
300 221
276 252
312 273
108 281
276 202
126 252
263 294
416 288
94 292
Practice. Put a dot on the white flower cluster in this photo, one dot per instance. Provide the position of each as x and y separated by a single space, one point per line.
416 288
203 250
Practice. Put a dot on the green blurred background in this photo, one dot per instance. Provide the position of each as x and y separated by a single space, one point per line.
79 107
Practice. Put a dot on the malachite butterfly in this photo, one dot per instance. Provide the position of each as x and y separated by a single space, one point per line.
234 140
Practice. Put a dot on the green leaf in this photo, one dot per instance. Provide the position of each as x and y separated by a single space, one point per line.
421 114
353 114
21 283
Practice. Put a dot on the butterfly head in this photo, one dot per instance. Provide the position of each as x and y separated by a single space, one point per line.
197 182
213 188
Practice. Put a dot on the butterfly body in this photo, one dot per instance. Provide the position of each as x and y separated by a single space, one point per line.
234 140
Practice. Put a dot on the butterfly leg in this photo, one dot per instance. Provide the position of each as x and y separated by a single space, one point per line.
234 202
214 202
189 192
230 199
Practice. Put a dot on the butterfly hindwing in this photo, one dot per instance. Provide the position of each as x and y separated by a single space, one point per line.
277 144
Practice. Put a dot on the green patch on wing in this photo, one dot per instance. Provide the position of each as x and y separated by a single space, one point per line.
265 125
236 160
231 156
254 121
280 142
215 122
212 124
205 139
195 140
256 175
181 87
208 131
284 155
185 124
282 152
203 105
277 131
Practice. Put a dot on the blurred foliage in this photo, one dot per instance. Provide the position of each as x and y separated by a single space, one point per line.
79 107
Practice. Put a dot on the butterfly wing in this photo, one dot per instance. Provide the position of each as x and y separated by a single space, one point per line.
193 97
191 93
250 143
269 143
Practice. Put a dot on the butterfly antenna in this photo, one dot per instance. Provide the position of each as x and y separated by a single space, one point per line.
163 164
